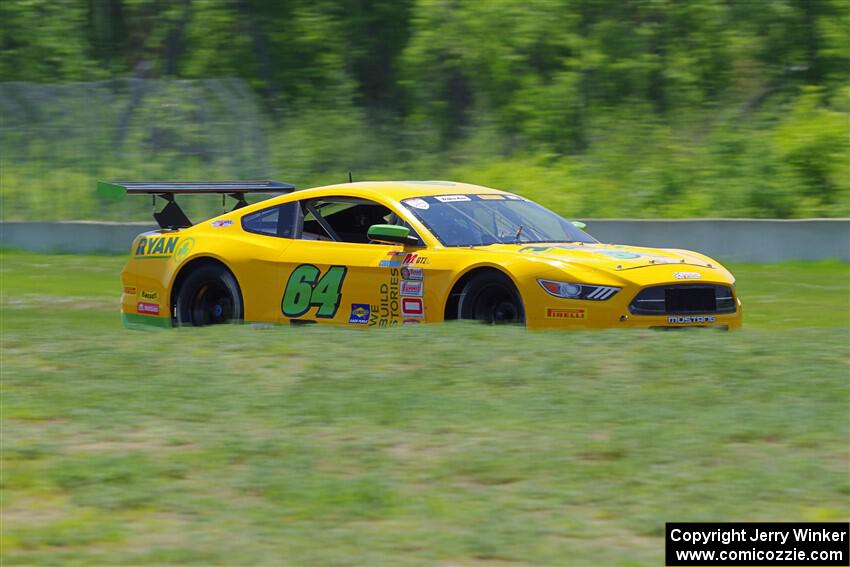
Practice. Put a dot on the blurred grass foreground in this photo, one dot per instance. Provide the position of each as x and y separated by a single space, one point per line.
594 108
443 445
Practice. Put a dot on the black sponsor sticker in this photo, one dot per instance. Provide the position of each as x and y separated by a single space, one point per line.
750 543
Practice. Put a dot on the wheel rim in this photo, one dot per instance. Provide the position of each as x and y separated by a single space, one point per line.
496 305
212 305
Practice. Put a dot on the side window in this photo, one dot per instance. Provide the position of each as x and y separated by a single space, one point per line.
283 221
345 219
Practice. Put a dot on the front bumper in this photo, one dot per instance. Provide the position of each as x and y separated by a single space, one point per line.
550 313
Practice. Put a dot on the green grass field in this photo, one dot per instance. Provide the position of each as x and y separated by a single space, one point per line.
452 444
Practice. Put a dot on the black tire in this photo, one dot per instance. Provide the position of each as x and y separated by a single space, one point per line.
492 298
208 296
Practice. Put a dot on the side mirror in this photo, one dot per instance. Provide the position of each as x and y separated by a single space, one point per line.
579 224
391 234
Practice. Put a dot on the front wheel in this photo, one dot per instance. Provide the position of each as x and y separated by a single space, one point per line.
209 296
491 298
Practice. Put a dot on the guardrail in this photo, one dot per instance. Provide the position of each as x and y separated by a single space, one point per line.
735 240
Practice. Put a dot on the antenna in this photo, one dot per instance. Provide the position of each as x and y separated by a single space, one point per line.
349 177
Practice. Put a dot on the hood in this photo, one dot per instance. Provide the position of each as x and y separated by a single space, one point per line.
605 256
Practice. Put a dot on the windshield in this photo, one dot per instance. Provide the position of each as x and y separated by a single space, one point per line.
479 220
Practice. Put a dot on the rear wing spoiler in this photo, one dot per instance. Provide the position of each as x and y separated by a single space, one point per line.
172 216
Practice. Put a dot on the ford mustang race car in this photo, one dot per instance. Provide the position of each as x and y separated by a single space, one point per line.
380 254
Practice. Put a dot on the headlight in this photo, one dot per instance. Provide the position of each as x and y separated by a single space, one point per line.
578 291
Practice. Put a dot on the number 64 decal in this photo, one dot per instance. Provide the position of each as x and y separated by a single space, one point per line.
305 289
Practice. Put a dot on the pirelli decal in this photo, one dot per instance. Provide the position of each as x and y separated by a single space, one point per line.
564 313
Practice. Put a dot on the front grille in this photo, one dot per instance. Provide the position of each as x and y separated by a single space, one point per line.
683 299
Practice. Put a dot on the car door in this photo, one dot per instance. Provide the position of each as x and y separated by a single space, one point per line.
333 274
264 237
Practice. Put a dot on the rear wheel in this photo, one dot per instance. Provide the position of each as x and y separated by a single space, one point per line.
492 298
208 296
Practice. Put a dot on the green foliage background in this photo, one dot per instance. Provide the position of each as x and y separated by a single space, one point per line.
597 108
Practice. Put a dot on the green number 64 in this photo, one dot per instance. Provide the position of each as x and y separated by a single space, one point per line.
305 289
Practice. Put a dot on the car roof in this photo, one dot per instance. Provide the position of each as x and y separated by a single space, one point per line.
399 190
374 191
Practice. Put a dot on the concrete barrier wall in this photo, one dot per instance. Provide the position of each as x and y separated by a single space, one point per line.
70 236
735 240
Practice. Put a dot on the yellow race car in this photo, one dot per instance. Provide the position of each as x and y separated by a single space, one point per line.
380 254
